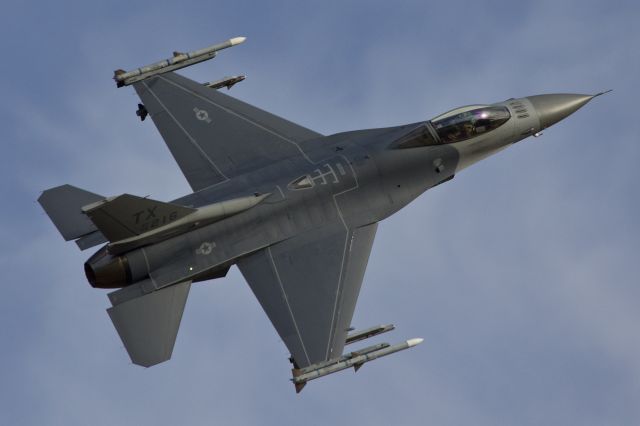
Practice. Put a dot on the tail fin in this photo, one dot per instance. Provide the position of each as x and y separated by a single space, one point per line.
126 215
63 204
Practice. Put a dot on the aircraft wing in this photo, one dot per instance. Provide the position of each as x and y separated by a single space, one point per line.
308 286
212 136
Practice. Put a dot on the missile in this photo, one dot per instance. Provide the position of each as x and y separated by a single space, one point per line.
227 82
356 359
345 357
178 61
368 332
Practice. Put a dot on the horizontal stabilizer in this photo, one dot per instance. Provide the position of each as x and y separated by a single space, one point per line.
148 325
63 204
126 215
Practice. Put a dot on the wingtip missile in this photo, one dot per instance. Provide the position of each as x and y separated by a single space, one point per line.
177 61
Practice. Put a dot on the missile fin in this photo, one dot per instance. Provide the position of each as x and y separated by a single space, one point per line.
300 386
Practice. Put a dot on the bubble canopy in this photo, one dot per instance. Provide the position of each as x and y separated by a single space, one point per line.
454 126
470 123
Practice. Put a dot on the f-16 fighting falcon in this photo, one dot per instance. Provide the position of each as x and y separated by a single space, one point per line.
295 210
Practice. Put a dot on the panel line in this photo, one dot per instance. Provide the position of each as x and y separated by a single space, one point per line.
284 294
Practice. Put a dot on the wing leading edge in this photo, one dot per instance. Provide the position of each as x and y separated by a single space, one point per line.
214 137
308 286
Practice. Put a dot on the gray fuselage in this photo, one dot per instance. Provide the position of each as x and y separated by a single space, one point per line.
351 179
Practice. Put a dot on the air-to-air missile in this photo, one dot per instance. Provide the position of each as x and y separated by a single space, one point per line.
354 359
227 82
369 332
178 61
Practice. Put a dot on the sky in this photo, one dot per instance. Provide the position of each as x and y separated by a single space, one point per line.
521 274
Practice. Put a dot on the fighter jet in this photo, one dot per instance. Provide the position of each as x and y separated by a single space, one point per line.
296 211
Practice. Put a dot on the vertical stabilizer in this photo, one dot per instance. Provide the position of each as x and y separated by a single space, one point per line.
127 216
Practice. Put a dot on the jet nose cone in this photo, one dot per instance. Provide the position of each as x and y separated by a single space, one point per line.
555 107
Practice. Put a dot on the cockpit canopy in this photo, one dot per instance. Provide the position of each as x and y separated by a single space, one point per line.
470 123
454 126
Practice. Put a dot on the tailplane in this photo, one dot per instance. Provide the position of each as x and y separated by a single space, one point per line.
63 204
148 323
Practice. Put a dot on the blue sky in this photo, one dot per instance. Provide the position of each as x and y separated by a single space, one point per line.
521 274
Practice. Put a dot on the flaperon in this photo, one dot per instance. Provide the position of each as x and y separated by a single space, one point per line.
295 210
